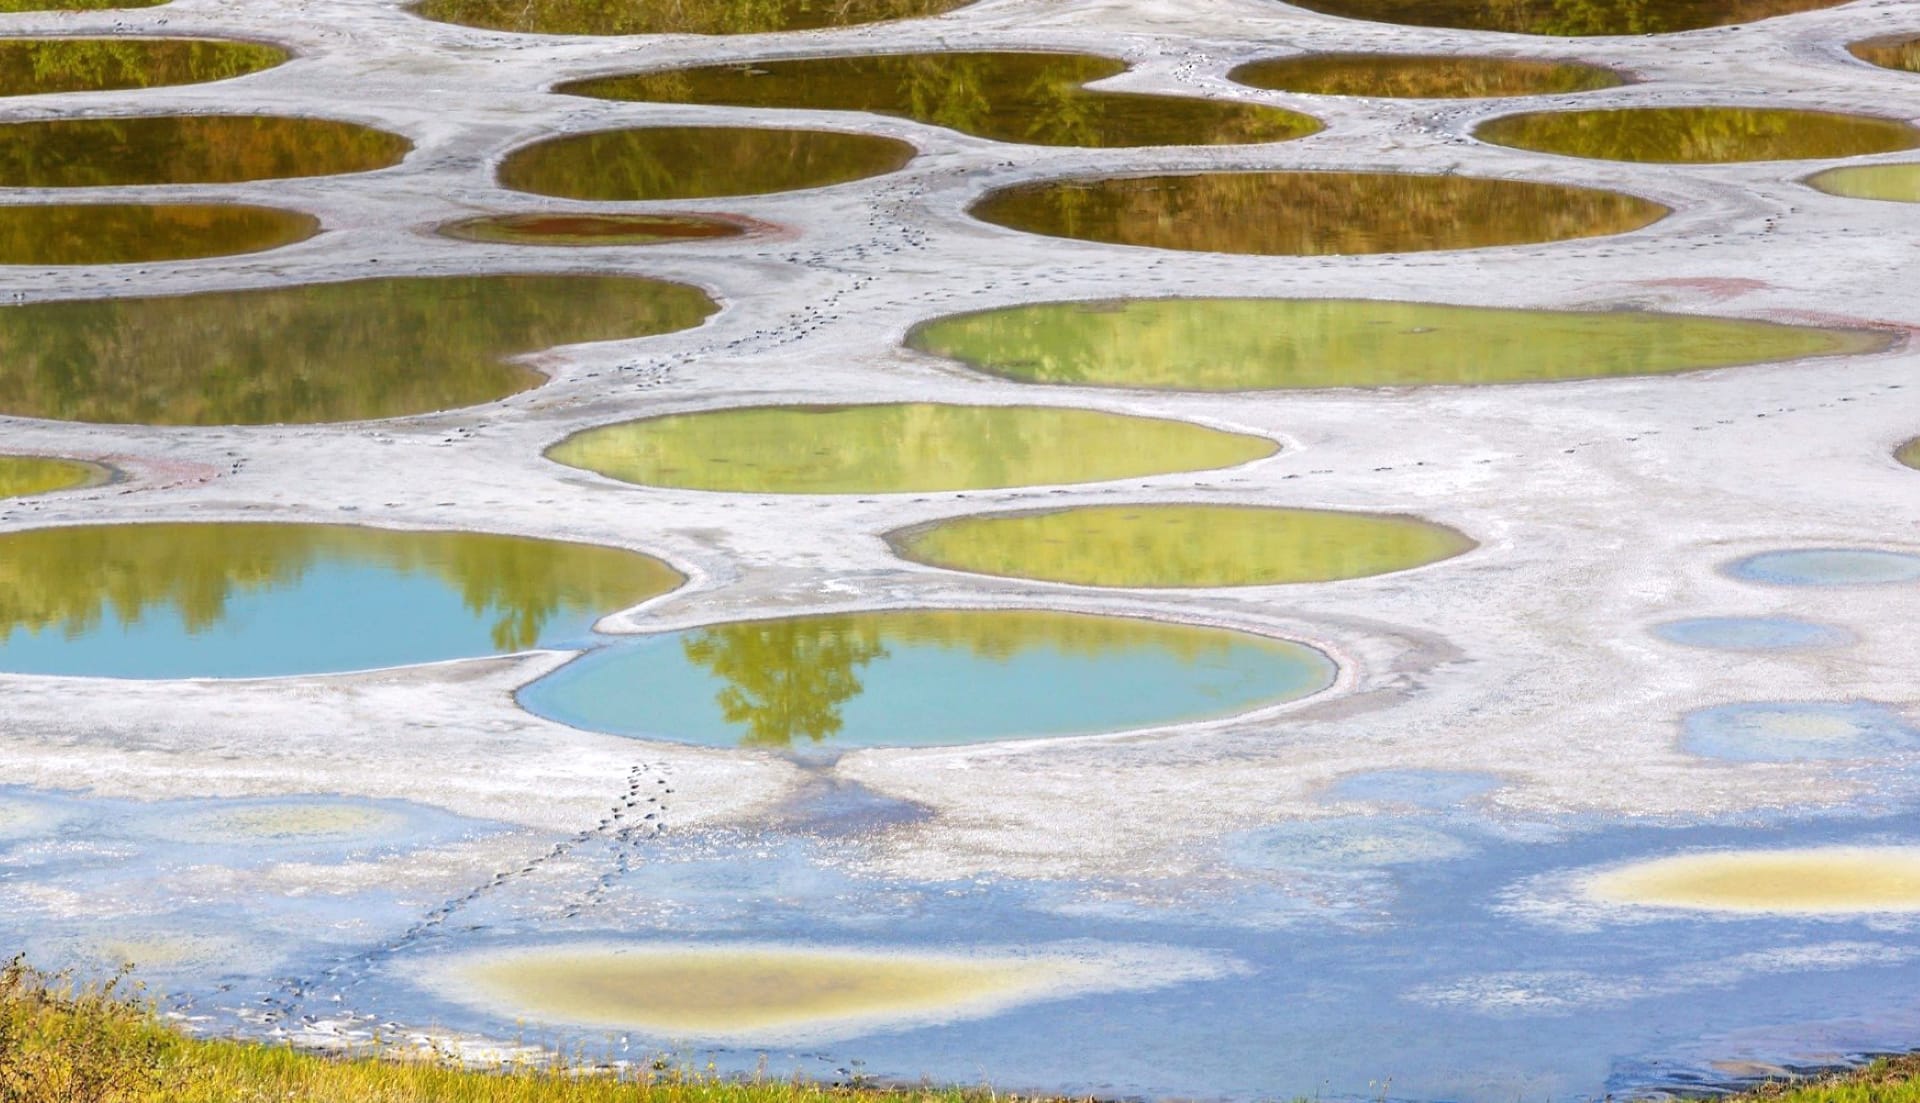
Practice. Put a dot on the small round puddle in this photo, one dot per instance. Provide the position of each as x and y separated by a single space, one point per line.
693 162
1909 453
187 149
595 17
29 66
1035 98
1822 880
1826 567
921 678
566 228
1797 731
1277 344
218 600
893 448
1752 634
1423 76
24 476
1893 52
1180 545
315 352
1313 213
1699 135
133 233
1561 18
1891 183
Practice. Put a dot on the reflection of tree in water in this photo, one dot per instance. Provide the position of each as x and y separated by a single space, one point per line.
125 233
187 149
614 17
1421 76
38 65
1567 17
1900 52
787 678
690 162
1700 134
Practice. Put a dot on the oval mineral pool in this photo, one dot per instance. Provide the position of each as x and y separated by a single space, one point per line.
315 352
1034 98
1560 18
262 600
1313 213
1180 545
1798 731
24 476
1423 76
1699 135
1890 183
1273 344
134 233
596 17
1909 453
1900 51
1822 880
1827 567
187 149
693 162
30 66
883 449
567 228
1752 634
922 678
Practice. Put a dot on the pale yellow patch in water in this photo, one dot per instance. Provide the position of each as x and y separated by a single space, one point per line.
1828 880
295 821
159 951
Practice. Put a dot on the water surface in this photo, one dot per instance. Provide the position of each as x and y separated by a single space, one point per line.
565 228
1180 545
315 352
29 66
24 476
1909 453
1752 633
1699 135
898 447
692 162
1893 183
187 149
1798 731
1893 52
1827 567
134 233
1037 98
1567 17
597 17
1423 76
219 600
1829 880
1259 344
1313 213
918 678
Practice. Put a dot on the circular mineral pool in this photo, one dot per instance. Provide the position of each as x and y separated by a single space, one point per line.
1752 633
1561 18
1798 731
259 600
1180 545
1423 76
1699 135
133 233
920 678
596 17
30 66
1827 567
693 162
1892 52
1313 213
306 353
1890 183
567 228
899 447
1033 98
1909 453
1263 344
187 149
1820 880
24 476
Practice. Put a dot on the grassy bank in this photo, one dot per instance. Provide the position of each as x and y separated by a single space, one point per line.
64 1045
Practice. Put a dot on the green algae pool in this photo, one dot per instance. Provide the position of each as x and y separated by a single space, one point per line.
1180 545
219 600
694 162
22 476
315 352
1276 344
1909 453
597 17
1036 98
1313 213
891 448
187 149
1566 17
132 233
1900 52
1890 183
1422 76
1699 135
567 228
30 66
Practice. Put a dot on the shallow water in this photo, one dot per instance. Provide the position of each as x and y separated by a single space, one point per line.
24 476
187 149
1811 881
1894 52
1798 731
132 233
591 229
260 600
315 352
1699 135
693 162
918 678
1180 545
1251 344
1752 633
1313 213
894 448
1827 567
711 17
1909 453
1035 98
1893 183
1422 76
29 66
1567 17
